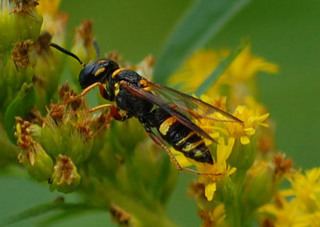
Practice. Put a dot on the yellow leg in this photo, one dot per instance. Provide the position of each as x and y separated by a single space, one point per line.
89 88
86 91
100 107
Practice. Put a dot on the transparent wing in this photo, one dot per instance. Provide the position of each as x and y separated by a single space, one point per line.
150 97
190 106
189 110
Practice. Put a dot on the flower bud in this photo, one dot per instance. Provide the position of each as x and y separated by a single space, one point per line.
258 186
20 21
70 128
242 156
14 71
75 142
19 106
47 69
65 177
38 163
83 47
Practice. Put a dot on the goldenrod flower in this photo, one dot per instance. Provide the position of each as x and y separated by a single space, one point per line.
298 205
210 174
196 69
83 47
252 115
200 65
65 176
259 184
48 6
237 178
306 189
246 66
282 165
214 217
18 21
32 156
54 21
220 169
71 119
251 120
238 75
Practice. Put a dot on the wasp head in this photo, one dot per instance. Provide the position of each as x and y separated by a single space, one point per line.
99 71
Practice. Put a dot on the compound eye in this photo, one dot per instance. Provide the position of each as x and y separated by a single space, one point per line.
88 69
85 76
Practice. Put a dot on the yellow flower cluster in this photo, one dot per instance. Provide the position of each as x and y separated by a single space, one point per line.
241 168
298 205
237 76
252 114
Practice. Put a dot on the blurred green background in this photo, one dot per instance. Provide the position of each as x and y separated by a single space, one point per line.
286 32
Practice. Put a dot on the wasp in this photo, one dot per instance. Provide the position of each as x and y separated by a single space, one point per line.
168 116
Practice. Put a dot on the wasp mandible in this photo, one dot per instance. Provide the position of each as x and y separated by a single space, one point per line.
167 115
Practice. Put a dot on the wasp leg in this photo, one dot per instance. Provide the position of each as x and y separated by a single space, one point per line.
96 108
115 112
119 115
160 143
102 89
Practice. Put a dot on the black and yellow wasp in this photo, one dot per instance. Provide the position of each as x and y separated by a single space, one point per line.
168 116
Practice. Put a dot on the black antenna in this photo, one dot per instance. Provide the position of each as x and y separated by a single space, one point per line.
96 47
56 46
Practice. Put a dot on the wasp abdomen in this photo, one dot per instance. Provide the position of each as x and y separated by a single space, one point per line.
181 137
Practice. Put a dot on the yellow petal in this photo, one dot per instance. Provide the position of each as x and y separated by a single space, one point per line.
313 175
232 170
210 190
224 150
250 131
263 117
244 140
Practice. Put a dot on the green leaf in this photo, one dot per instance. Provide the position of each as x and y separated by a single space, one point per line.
32 212
19 106
61 216
65 214
201 23
44 209
217 72
161 183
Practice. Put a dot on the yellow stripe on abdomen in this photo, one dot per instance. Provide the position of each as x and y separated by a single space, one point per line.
165 126
185 138
192 146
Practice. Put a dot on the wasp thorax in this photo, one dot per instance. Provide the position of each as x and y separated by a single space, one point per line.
98 71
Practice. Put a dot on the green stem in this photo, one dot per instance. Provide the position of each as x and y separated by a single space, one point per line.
147 216
8 151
